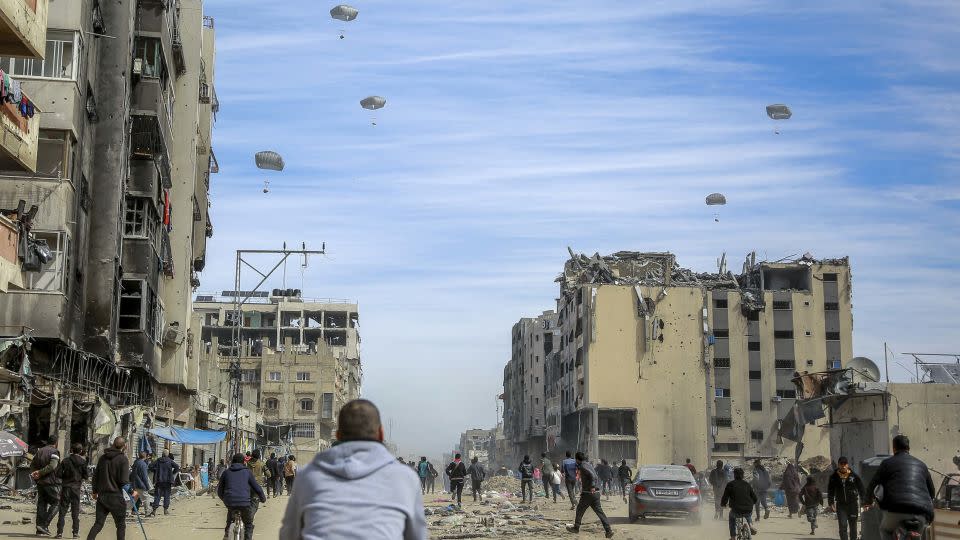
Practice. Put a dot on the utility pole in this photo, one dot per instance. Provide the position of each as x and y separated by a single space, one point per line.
240 299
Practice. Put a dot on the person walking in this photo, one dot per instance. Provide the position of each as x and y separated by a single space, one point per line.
72 472
456 472
341 493
221 467
282 463
546 475
44 472
740 497
812 499
718 481
276 474
907 488
844 493
691 468
624 478
589 496
432 478
477 475
290 472
569 468
165 472
270 469
259 470
791 489
555 478
606 478
423 471
110 479
526 478
761 483
138 477
237 487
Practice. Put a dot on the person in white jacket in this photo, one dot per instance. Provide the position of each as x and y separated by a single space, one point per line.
356 490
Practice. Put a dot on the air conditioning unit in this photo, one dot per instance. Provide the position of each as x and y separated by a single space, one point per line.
173 335
137 67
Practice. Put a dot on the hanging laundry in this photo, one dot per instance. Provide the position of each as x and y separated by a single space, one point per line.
3 87
16 90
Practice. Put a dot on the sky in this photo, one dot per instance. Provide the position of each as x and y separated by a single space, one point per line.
513 130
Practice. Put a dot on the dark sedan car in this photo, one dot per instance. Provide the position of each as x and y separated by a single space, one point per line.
665 490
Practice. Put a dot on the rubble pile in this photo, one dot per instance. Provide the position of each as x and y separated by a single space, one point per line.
497 519
503 484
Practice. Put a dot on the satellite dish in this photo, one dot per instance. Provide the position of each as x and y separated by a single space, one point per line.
866 367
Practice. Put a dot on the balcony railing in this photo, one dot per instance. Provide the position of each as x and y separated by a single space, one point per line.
23 31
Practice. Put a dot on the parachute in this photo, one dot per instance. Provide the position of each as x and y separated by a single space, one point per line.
344 13
716 199
269 160
373 103
778 112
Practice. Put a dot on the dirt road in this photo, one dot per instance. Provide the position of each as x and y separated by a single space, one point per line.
201 518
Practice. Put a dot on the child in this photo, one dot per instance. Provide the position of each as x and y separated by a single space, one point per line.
811 497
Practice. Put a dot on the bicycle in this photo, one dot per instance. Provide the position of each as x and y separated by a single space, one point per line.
237 528
743 528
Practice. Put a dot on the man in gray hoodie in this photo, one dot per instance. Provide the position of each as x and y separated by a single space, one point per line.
356 490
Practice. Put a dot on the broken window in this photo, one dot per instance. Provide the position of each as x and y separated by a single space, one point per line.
327 411
753 346
783 334
754 375
721 334
616 422
149 56
306 404
721 362
833 336
756 405
617 451
781 305
140 219
753 316
53 276
782 279
787 394
727 447
830 277
131 304
547 342
303 376
756 435
271 404
784 364
304 430
720 304
722 392
831 306
720 421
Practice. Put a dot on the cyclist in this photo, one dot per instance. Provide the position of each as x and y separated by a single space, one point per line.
236 488
904 489
741 498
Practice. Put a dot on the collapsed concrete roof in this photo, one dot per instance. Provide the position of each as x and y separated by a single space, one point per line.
661 269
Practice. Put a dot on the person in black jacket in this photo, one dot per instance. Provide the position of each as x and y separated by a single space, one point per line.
718 481
110 479
526 478
72 472
165 472
741 498
906 489
236 489
456 472
275 474
844 493
589 496
43 471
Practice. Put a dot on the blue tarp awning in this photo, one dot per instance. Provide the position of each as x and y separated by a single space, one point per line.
189 436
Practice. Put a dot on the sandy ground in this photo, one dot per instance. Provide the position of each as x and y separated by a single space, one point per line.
201 518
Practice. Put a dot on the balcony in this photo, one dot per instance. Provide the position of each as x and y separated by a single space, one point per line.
20 139
23 28
10 272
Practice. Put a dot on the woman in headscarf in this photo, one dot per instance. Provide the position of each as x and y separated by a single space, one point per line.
791 489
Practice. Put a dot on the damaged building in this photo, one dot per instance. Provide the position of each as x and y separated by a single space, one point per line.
525 388
299 362
656 363
104 197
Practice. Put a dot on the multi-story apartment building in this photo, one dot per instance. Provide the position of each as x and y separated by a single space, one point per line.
299 361
532 342
476 443
105 185
657 363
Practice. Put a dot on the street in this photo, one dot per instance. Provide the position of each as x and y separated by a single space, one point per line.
202 517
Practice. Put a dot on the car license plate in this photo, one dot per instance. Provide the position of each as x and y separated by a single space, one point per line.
667 492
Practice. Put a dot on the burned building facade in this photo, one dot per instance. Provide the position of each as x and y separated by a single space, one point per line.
656 363
105 189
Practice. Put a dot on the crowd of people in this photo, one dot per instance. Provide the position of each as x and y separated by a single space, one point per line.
341 487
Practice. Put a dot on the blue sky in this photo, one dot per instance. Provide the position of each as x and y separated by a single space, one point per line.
515 129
